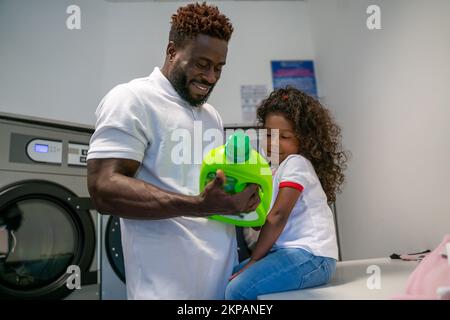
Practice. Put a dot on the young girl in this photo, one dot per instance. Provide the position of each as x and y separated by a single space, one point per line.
297 245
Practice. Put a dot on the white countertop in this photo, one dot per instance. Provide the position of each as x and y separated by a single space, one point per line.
350 282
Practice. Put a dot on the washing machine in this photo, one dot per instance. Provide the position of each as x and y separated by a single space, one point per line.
49 249
112 275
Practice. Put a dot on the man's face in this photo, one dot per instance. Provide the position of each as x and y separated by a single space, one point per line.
197 67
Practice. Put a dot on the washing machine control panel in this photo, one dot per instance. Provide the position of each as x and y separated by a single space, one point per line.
77 154
45 151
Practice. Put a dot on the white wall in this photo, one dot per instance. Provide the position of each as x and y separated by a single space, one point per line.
47 70
52 72
390 92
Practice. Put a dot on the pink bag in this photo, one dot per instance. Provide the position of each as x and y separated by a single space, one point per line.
431 276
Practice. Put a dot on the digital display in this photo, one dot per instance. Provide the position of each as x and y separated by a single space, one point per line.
43 148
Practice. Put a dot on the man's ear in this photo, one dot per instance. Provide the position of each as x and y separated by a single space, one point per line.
171 51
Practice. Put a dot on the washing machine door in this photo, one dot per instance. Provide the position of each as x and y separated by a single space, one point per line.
54 231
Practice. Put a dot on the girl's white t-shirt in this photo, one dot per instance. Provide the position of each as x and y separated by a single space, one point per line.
310 225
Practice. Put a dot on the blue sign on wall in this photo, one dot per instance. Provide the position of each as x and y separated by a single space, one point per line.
296 73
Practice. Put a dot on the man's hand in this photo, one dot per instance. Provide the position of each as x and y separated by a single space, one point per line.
216 201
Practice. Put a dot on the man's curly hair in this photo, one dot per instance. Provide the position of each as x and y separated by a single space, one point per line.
319 136
194 19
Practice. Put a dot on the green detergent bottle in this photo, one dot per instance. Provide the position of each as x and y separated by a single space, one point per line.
242 165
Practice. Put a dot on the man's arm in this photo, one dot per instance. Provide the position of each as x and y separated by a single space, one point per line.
115 191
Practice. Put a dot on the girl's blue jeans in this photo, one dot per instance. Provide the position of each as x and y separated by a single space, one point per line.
280 270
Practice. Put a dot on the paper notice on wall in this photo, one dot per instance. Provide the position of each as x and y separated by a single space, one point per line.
251 97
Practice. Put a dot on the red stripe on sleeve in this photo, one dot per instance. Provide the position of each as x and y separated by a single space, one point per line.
289 184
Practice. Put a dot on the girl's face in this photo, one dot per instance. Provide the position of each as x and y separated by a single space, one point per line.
287 143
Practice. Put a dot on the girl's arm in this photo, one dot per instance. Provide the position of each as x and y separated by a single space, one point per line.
276 221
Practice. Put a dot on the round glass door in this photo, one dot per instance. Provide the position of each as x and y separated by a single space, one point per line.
51 232
44 245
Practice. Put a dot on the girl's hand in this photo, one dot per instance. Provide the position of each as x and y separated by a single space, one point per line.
250 263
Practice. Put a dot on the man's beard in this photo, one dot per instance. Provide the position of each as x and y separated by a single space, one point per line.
181 85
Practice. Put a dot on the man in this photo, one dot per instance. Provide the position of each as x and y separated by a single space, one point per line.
171 251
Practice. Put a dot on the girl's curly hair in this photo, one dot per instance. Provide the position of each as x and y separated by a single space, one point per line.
194 19
319 136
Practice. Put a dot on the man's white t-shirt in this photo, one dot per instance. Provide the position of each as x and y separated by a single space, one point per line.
179 258
310 225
